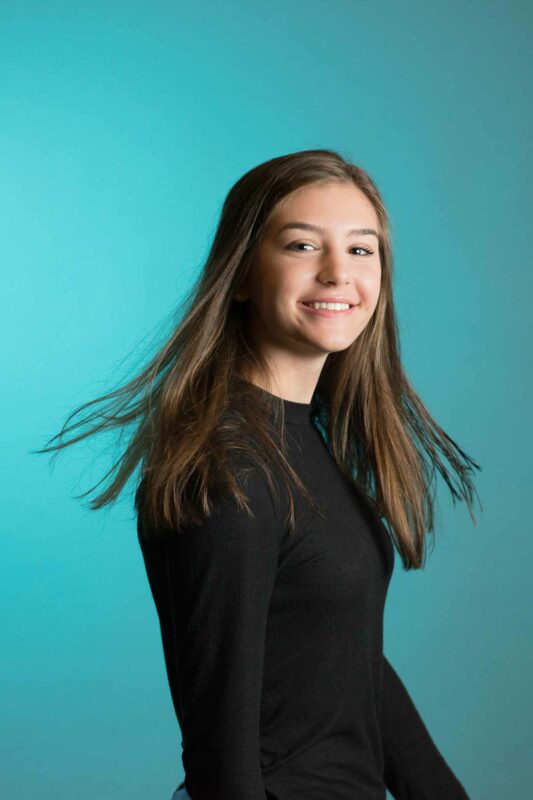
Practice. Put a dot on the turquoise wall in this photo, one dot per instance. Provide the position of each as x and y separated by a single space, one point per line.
122 127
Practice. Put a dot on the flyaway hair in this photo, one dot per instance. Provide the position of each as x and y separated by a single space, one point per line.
188 408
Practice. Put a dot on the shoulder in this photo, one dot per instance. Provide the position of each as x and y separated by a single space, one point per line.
234 481
251 502
246 502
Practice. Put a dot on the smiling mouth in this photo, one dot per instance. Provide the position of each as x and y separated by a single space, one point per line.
327 312
311 304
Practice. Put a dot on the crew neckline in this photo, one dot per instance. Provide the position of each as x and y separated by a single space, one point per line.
295 413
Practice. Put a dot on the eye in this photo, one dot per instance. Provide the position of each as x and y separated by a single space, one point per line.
366 250
297 244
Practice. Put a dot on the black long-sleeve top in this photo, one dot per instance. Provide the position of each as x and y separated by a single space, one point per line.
273 644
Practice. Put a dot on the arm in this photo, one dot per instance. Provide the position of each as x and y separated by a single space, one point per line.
219 579
414 767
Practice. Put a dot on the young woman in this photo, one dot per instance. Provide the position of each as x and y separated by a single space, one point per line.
284 456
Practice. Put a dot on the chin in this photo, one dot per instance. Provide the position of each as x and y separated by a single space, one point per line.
332 347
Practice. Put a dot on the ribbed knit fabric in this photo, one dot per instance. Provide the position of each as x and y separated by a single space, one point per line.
273 644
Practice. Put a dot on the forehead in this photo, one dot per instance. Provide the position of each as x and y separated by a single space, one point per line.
332 205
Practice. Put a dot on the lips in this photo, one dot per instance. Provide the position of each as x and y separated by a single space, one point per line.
326 312
328 300
342 302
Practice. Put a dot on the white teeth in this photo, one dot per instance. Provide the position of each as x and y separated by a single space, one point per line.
329 306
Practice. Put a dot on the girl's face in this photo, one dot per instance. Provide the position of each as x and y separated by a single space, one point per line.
320 242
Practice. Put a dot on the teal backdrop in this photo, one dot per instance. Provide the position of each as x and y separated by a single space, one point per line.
122 127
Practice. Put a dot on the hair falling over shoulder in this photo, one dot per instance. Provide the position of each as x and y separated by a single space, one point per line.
188 407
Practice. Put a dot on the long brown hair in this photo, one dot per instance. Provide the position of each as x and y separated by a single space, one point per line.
190 406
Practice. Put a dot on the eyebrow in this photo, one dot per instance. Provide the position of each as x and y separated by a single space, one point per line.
307 226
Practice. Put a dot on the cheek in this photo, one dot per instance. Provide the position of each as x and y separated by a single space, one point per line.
283 295
371 288
274 306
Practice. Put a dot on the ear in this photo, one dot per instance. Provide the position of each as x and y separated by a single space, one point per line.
241 294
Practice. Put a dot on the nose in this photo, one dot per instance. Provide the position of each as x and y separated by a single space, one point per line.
334 270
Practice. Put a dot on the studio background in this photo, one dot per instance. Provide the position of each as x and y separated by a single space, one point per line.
122 127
